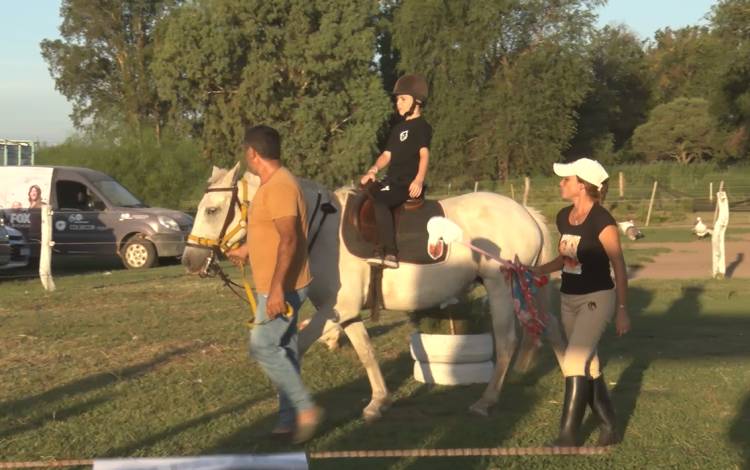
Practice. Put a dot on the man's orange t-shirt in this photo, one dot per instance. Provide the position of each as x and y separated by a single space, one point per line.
278 197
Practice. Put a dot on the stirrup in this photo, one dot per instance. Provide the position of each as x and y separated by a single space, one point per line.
390 261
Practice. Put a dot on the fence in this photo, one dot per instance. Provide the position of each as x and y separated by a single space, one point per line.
16 152
675 200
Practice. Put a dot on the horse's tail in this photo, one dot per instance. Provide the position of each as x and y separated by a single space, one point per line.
546 253
553 331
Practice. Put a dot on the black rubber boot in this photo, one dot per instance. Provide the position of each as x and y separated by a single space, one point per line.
574 407
602 407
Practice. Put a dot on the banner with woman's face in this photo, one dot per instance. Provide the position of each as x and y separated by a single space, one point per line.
25 187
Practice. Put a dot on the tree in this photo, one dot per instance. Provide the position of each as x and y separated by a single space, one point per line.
684 63
683 130
505 76
101 64
619 98
168 173
304 67
731 101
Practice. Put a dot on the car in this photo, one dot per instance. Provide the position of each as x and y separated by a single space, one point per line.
4 246
20 252
93 215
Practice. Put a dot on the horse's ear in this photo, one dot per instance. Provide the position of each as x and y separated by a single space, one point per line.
216 173
236 175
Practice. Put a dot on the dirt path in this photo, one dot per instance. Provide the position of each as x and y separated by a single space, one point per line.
693 260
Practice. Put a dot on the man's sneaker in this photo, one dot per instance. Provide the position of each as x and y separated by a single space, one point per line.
390 261
375 260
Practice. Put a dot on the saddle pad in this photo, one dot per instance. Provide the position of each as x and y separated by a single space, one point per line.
411 231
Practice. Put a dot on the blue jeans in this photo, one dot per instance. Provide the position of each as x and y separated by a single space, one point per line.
274 345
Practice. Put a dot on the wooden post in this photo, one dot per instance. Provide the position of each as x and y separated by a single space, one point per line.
45 255
716 208
526 189
476 186
452 325
622 185
651 203
512 192
450 185
718 257
711 191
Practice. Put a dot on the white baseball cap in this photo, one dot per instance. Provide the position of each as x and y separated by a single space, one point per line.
584 168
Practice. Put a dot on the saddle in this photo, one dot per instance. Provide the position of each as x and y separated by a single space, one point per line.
360 235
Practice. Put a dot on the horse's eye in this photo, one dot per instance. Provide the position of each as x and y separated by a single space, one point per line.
212 210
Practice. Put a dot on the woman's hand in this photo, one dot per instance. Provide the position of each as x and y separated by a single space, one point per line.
622 320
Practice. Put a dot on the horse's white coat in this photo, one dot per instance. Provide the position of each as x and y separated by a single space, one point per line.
493 223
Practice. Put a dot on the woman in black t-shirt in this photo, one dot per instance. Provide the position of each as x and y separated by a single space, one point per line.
589 242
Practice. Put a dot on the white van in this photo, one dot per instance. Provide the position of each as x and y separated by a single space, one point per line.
93 215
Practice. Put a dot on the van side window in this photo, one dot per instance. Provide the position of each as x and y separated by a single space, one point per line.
72 195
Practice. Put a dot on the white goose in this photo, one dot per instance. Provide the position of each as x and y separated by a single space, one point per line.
700 228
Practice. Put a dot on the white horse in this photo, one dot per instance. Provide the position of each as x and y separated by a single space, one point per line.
494 223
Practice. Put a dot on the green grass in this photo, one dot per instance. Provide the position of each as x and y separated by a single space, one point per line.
154 363
640 256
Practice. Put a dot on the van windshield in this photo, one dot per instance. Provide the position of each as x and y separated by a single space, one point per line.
117 194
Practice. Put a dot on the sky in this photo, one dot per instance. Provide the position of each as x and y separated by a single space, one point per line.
33 110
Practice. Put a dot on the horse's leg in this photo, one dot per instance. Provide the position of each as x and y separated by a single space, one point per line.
360 340
556 338
553 333
526 351
321 325
553 330
504 331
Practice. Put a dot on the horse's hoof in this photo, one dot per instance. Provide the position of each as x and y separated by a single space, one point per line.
371 416
480 409
374 411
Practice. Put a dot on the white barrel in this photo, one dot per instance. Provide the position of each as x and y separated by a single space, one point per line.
451 349
453 374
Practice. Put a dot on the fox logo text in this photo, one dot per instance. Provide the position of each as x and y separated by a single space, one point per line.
20 218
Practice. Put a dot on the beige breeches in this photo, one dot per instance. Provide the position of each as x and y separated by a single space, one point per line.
584 318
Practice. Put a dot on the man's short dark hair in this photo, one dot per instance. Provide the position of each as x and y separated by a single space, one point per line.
265 140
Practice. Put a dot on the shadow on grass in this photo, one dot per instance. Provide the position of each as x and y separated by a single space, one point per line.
342 404
732 267
686 331
739 433
171 431
50 416
87 384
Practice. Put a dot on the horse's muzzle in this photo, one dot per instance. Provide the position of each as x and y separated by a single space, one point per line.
198 260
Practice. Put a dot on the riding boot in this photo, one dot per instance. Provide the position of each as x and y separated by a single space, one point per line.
602 407
574 407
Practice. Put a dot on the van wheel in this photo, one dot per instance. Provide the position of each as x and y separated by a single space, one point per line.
139 253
